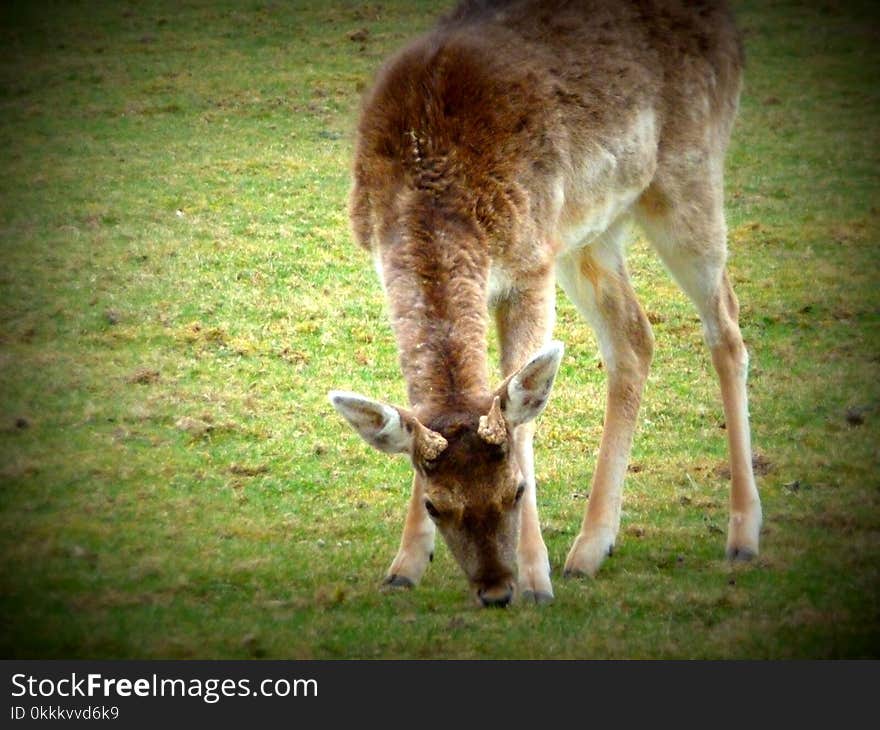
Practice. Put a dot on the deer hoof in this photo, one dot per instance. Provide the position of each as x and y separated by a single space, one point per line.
398 581
588 553
741 554
743 534
539 598
579 573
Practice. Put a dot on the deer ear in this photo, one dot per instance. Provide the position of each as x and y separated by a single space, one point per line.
387 428
527 391
378 424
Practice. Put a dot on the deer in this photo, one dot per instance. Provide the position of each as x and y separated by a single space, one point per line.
510 148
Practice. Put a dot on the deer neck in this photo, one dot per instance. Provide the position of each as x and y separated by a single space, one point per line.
435 278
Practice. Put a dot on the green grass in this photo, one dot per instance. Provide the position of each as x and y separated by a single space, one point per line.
179 289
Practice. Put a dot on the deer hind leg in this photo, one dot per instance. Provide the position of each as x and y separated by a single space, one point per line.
596 280
416 545
691 240
525 324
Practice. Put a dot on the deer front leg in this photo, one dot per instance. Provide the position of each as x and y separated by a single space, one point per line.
525 323
532 557
596 280
416 545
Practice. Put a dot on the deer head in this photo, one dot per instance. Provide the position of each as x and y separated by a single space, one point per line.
466 466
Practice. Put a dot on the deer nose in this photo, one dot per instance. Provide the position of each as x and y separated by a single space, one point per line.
497 597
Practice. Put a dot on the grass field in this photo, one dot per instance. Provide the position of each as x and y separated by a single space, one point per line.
179 289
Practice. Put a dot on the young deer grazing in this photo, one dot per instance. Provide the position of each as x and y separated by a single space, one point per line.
505 151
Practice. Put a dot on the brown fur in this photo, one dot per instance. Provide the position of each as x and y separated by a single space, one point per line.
466 130
486 148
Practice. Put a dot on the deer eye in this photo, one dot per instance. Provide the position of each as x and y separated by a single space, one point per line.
520 490
432 510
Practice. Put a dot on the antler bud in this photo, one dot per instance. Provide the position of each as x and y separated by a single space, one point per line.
492 428
429 444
